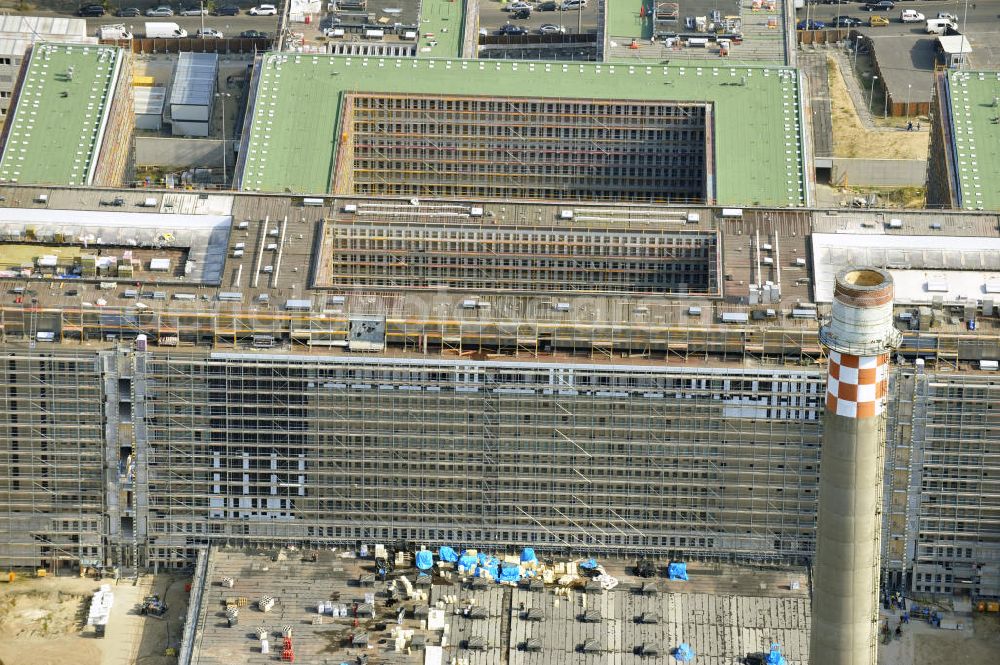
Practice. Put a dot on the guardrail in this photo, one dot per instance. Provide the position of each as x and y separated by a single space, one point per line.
147 45
194 605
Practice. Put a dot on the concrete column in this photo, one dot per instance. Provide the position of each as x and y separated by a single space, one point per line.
859 339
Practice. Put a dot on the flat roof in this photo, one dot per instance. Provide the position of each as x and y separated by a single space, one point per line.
955 44
294 134
622 19
267 277
149 100
194 79
40 27
976 138
701 611
441 25
56 130
71 232
923 266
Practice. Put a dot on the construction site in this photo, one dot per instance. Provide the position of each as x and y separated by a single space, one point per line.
281 388
422 127
312 605
614 151
72 104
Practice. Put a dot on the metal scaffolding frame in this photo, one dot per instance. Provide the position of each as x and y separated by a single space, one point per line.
597 150
174 449
495 258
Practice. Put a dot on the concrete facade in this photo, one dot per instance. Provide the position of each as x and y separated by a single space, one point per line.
850 172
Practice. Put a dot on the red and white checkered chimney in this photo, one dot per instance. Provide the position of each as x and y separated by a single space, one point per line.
859 340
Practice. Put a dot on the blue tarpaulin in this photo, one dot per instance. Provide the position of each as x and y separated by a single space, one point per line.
509 573
684 653
491 566
589 564
425 559
447 554
467 561
677 571
775 657
528 555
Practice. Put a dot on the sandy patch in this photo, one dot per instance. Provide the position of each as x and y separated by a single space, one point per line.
852 139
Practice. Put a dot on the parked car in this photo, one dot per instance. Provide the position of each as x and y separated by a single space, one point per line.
128 12
567 5
264 10
228 10
193 11
256 34
162 10
512 31
90 10
878 21
549 6
516 6
848 22
880 6
208 33
551 29
809 24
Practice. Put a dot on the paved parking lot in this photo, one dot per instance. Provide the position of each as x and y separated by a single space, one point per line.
980 20
492 16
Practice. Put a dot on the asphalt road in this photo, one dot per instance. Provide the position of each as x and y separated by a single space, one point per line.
979 21
230 26
983 15
491 17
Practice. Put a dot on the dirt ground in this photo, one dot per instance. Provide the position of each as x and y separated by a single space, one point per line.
977 644
42 622
852 139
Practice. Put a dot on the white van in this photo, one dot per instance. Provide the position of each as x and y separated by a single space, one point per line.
113 32
939 26
911 16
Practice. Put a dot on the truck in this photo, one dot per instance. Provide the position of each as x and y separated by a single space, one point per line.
114 32
940 26
164 30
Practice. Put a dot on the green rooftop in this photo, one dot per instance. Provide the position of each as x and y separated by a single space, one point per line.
626 18
55 133
757 129
976 137
440 27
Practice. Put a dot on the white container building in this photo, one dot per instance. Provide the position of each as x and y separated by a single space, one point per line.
192 93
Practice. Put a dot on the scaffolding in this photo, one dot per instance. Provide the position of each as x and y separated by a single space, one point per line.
170 450
539 259
114 161
523 148
51 460
956 542
662 332
500 454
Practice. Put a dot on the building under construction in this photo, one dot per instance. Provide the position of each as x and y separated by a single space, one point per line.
71 117
429 371
405 145
472 129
